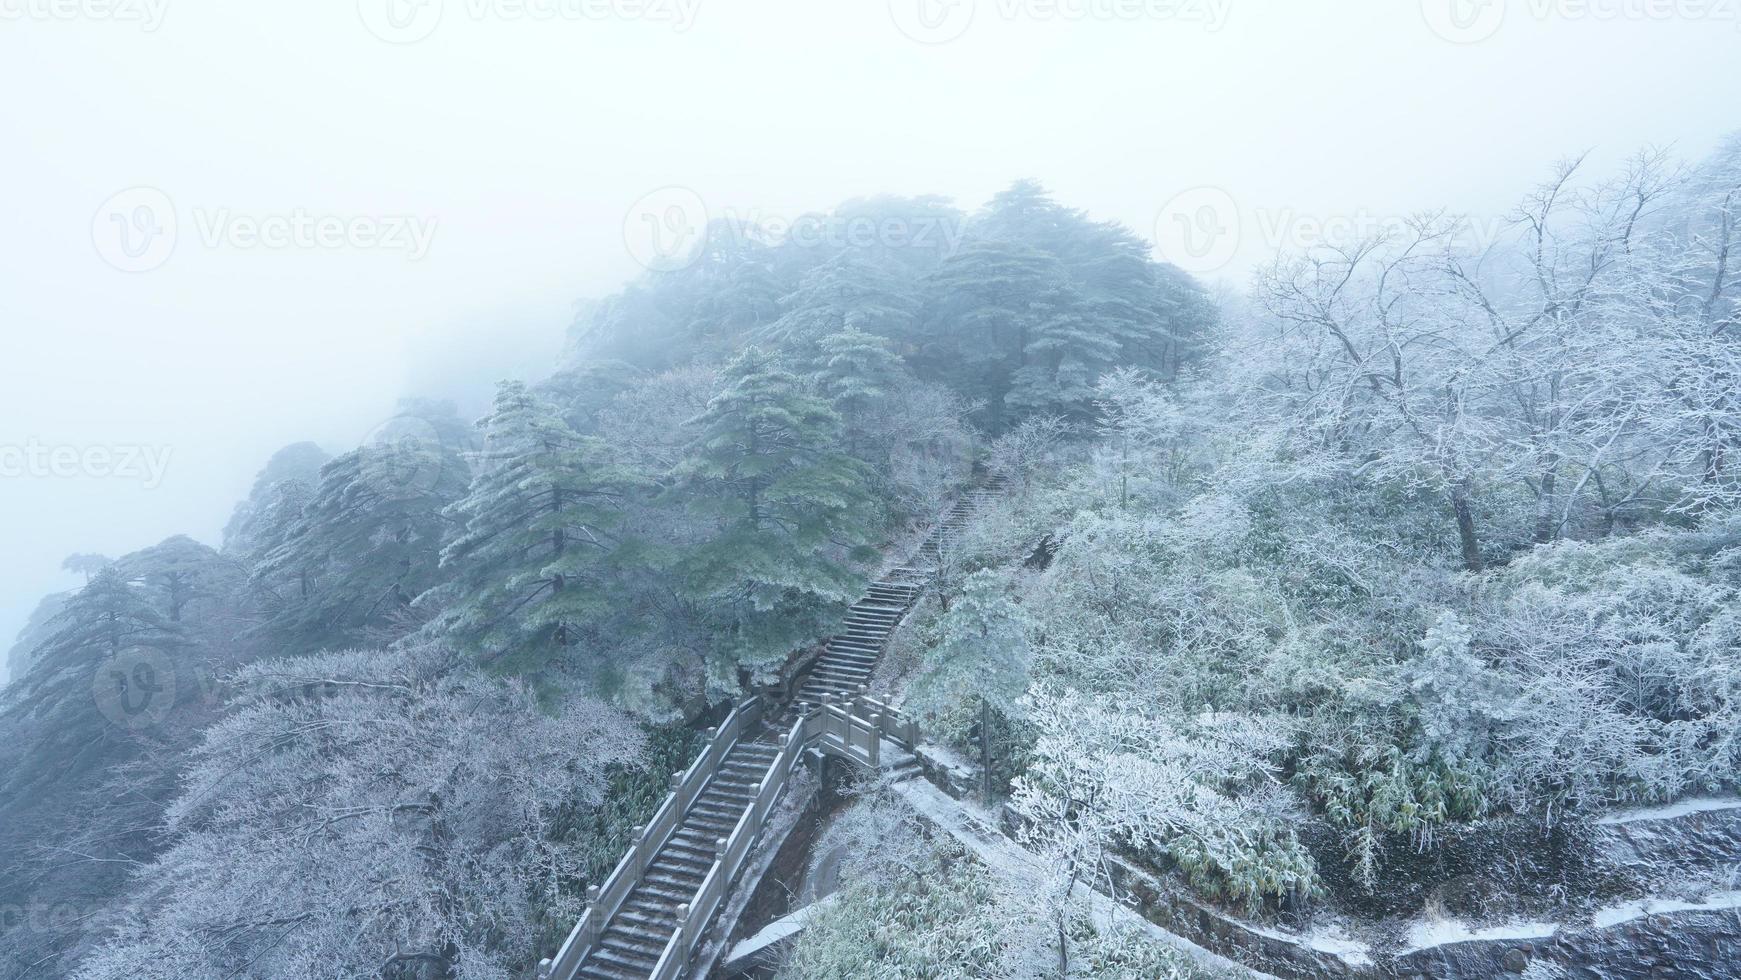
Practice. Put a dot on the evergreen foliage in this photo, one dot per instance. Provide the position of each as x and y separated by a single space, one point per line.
789 510
530 568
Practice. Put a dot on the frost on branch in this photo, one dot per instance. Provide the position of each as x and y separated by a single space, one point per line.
364 808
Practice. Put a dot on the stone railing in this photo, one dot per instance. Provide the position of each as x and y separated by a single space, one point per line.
854 729
694 917
606 900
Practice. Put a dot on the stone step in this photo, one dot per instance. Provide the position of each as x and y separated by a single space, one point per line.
864 624
695 839
854 624
847 652
866 660
604 956
859 659
747 769
815 693
650 909
683 880
735 780
712 814
651 933
665 893
688 850
594 969
711 825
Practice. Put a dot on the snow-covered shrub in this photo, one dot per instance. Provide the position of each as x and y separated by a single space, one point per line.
366 811
1108 774
915 906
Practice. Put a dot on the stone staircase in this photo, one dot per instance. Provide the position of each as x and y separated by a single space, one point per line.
849 658
643 926
638 933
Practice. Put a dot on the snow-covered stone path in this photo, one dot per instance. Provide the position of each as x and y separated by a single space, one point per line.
977 830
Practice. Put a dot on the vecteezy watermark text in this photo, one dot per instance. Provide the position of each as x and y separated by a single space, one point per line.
148 14
672 227
299 228
40 460
1203 229
137 230
941 21
1473 21
410 21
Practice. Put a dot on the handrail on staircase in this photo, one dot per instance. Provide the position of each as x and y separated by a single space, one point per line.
606 900
733 851
854 728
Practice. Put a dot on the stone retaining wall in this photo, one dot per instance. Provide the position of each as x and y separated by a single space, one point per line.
1694 944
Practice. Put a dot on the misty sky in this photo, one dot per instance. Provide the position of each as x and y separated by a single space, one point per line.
445 199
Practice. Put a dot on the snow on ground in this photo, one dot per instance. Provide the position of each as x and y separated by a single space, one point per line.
976 828
1716 902
777 930
1673 810
1441 932
1324 939
946 756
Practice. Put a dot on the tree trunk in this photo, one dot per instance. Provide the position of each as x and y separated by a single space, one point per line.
1466 526
985 750
1546 528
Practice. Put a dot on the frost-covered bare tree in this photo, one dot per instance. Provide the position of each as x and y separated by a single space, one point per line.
1589 356
1374 367
368 814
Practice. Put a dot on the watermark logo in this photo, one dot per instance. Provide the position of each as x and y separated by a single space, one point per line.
666 230
400 21
135 230
1464 21
304 230
57 919
39 460
1202 230
1473 21
410 21
673 227
932 21
942 21
1199 230
135 688
138 229
403 457
148 14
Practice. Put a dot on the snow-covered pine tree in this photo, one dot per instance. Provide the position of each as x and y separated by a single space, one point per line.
860 372
790 511
360 550
1065 353
290 475
845 293
530 565
986 303
981 656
